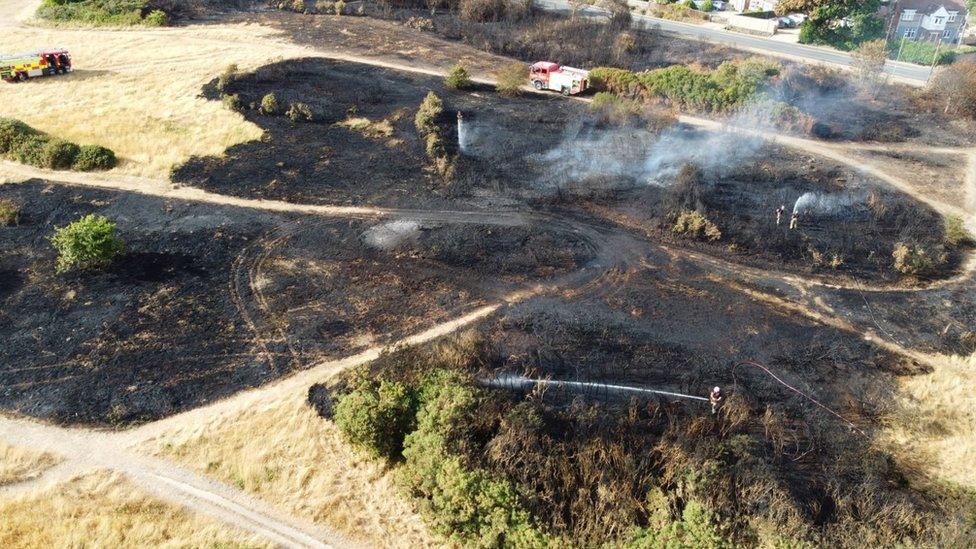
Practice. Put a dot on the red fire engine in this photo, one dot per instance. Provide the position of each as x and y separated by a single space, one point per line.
565 80
21 66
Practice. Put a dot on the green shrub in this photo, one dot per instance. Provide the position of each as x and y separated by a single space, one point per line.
708 5
31 150
87 243
914 260
955 231
698 527
94 157
339 7
269 104
614 80
9 213
59 154
510 79
457 78
13 133
431 109
693 224
376 418
300 112
101 12
156 18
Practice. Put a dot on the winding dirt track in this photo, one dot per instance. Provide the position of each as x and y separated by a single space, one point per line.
85 449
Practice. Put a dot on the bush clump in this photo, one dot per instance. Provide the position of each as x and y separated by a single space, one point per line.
376 417
232 102
431 109
94 157
269 104
510 79
955 232
457 78
88 243
103 12
9 213
228 77
693 224
31 150
13 133
59 154
913 259
300 112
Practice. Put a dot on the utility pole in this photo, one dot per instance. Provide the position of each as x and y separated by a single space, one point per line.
935 57
900 48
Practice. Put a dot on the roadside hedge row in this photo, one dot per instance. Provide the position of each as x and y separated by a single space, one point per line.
22 143
731 85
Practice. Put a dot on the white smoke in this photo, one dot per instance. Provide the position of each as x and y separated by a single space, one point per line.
815 203
391 234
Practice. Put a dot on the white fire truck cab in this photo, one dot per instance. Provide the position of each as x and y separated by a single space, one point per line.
565 80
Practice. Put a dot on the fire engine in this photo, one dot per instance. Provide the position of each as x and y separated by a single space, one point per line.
565 80
21 66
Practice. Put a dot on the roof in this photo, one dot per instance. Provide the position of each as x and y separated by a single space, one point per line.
929 6
34 53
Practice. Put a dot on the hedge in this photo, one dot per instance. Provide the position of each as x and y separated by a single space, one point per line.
20 142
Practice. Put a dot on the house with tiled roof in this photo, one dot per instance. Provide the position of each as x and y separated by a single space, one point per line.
935 21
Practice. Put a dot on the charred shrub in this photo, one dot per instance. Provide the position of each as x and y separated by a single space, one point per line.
300 112
94 157
483 11
694 224
914 259
88 243
9 213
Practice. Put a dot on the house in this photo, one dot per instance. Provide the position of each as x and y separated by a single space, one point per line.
936 21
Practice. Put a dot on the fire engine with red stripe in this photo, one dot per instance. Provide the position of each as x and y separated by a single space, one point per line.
565 80
21 66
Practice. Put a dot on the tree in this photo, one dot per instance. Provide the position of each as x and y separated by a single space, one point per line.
510 79
841 23
457 78
87 243
869 61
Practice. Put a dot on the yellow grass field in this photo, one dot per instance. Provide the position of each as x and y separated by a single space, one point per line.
18 463
137 91
104 510
937 420
290 457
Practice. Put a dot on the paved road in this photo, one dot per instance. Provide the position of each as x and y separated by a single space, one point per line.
810 54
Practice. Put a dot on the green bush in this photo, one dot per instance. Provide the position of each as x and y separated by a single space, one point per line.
431 109
9 213
87 243
228 77
698 527
102 12
339 7
376 418
156 18
300 112
457 78
59 154
94 157
955 231
269 104
693 224
31 150
13 133
614 80
510 79
708 5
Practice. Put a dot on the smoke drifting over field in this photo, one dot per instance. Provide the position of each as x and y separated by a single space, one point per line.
825 204
391 234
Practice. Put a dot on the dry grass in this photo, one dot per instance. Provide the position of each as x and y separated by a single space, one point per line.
104 510
145 106
18 463
287 455
936 421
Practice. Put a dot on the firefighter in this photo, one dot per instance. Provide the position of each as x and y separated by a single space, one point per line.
779 213
716 398
794 220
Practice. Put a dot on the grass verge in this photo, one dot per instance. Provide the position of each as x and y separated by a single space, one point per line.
104 510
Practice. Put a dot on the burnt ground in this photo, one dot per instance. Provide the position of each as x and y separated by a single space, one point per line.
209 300
542 151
